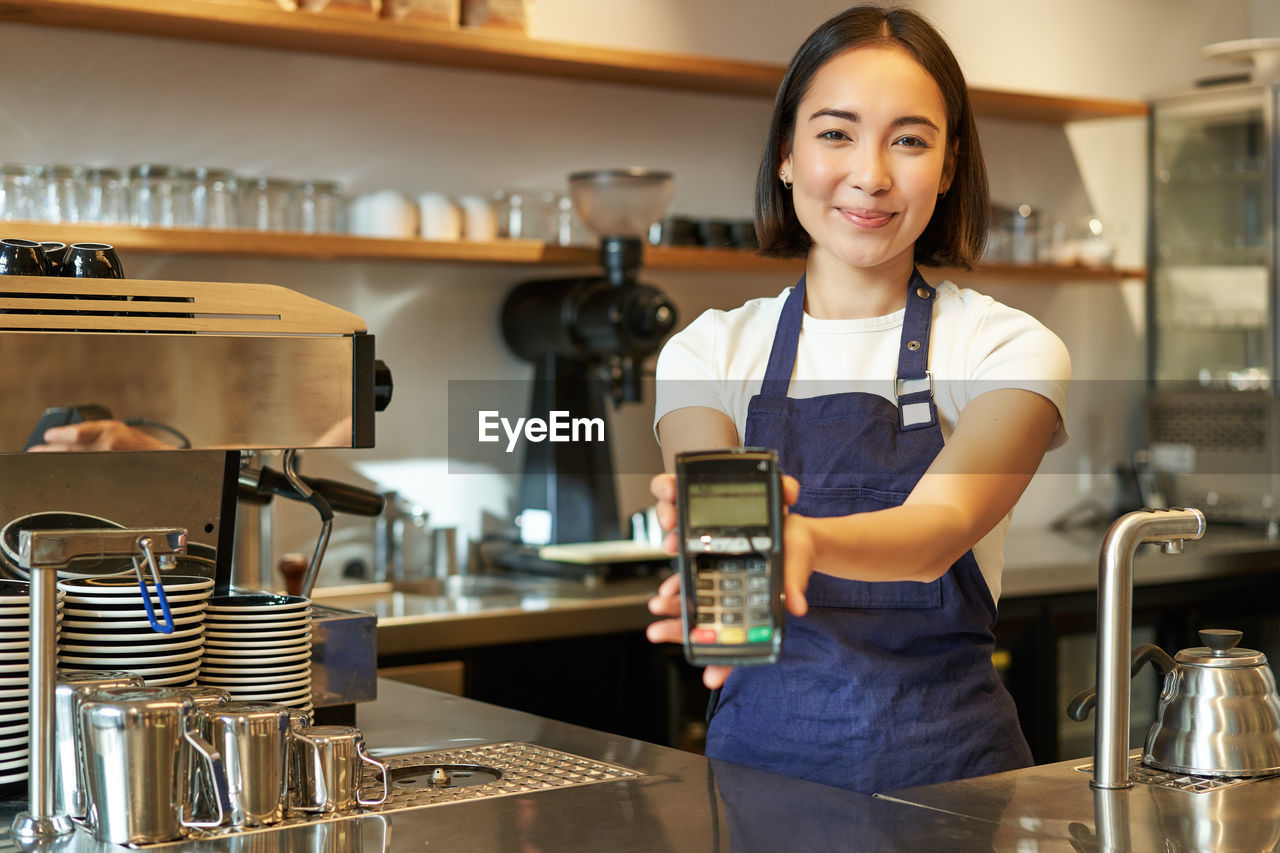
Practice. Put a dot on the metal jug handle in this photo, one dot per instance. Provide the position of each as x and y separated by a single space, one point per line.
217 781
166 627
382 768
317 772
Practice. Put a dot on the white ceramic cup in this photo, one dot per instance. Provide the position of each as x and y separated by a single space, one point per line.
441 217
479 219
385 213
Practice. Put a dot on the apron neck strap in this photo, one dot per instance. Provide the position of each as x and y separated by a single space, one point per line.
782 357
913 387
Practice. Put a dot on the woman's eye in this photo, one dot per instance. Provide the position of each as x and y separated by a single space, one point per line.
912 142
837 135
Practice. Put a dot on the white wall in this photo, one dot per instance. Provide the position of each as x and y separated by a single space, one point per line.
114 99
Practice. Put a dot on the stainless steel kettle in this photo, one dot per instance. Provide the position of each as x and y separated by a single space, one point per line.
1219 712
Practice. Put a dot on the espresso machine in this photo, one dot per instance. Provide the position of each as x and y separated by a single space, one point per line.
588 339
229 368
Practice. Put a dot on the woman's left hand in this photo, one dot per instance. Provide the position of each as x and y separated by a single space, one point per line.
798 547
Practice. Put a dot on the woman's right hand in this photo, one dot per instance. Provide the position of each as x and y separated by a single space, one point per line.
670 629
98 435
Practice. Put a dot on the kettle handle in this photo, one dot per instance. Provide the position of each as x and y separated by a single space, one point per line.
1082 703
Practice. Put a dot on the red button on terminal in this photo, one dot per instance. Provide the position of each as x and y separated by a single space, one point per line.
703 636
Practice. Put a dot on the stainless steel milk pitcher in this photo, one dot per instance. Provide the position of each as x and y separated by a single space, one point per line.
327 769
135 742
70 797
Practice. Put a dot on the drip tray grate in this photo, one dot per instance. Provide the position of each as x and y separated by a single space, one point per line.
469 773
520 769
1141 774
420 779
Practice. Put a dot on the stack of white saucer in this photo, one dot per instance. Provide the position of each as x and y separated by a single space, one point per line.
258 648
106 627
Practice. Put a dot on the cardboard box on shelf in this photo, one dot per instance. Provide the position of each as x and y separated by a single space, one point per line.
343 8
506 15
444 13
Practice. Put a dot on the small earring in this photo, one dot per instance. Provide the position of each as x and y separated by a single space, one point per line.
783 175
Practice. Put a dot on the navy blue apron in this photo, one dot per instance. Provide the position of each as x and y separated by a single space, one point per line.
880 686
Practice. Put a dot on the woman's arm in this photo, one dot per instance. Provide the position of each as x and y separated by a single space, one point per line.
694 428
974 482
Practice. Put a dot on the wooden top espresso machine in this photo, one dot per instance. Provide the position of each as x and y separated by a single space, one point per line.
209 369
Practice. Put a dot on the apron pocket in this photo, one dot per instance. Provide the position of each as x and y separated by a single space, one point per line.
826 591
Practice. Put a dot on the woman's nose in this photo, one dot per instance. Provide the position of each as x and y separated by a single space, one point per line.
869 171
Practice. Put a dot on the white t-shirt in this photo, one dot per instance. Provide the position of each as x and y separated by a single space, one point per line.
976 345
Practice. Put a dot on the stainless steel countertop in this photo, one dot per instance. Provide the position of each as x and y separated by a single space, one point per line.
1046 562
525 610
1038 562
1056 800
685 802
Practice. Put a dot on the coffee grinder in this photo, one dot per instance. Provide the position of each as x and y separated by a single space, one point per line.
586 337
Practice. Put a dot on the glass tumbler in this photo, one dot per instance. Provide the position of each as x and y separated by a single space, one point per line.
105 197
63 191
215 199
158 196
320 207
15 192
269 205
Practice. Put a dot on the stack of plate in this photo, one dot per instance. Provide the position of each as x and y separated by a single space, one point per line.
15 693
258 648
105 626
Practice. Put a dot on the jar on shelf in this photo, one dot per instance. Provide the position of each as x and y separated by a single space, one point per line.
320 207
106 197
159 196
269 205
561 225
16 200
519 214
215 199
1013 235
1024 226
63 189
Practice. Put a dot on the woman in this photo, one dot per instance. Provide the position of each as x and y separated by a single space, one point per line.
911 420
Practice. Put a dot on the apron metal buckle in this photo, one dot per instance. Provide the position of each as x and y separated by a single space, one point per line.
915 402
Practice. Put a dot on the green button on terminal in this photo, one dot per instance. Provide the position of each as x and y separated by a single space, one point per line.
759 634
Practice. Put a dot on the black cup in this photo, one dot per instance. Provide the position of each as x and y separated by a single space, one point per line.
22 257
53 253
90 260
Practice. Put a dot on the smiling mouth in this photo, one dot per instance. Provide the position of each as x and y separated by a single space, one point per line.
864 218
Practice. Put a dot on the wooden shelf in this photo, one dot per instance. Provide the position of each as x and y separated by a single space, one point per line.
337 247
262 23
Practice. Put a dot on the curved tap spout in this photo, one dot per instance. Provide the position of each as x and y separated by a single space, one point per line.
1115 628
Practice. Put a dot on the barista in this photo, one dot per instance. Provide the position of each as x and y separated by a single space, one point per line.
911 418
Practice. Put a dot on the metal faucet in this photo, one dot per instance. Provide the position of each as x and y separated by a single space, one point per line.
42 553
1169 528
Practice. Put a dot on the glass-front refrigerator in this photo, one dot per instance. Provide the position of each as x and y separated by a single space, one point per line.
1212 307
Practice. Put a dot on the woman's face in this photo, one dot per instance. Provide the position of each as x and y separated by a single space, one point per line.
869 157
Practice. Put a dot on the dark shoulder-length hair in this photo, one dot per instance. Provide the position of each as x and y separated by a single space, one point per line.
957 232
